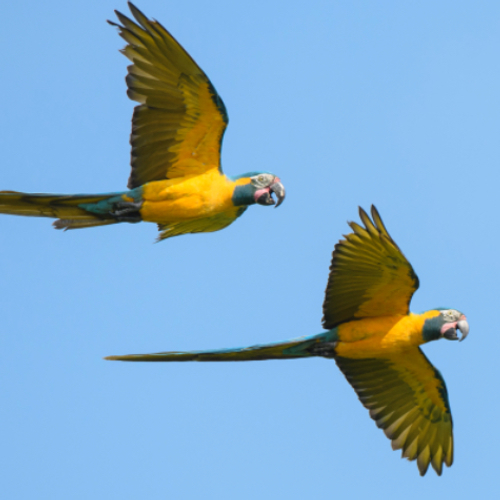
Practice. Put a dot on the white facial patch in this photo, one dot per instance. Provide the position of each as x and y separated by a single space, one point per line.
451 315
262 180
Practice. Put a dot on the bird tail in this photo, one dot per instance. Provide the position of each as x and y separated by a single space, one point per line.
72 211
296 348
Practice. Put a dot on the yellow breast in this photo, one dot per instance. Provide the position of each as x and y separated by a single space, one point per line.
373 337
186 198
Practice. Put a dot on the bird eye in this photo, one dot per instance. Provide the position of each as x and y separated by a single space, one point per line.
450 315
261 178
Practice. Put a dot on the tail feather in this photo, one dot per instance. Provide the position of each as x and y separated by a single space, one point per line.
297 348
73 211
66 224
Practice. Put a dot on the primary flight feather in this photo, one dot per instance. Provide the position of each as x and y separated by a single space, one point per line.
177 129
374 339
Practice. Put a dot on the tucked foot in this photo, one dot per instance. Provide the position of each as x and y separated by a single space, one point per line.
324 349
127 211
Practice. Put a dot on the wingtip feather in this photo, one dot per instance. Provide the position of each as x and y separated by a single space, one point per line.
139 16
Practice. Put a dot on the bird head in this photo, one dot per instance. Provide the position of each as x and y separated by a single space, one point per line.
258 187
445 325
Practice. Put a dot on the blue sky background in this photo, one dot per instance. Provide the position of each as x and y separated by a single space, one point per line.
350 103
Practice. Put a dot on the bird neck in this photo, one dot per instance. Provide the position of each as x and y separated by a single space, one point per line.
431 329
243 194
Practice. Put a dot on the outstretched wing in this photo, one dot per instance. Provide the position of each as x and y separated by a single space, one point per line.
409 401
178 127
369 275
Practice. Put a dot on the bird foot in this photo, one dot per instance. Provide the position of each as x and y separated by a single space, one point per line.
323 349
127 211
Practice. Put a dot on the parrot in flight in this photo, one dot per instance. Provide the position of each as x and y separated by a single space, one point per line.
374 339
176 179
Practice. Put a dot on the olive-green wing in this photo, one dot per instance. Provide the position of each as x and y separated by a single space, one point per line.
369 275
178 127
407 398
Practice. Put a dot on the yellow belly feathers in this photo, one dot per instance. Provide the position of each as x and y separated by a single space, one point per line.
186 198
383 336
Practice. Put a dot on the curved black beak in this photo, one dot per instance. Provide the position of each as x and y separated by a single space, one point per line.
450 334
279 190
462 325
265 199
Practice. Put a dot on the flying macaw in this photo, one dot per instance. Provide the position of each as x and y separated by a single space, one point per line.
375 341
176 179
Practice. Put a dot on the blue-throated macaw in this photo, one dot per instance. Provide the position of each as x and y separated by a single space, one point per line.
375 341
176 179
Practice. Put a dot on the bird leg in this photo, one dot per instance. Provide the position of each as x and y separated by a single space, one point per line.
127 211
323 349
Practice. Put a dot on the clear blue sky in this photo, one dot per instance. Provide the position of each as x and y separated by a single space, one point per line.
350 103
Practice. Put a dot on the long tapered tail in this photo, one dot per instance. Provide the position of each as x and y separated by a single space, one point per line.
72 211
296 348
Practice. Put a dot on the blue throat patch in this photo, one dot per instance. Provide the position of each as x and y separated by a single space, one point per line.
243 195
432 328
